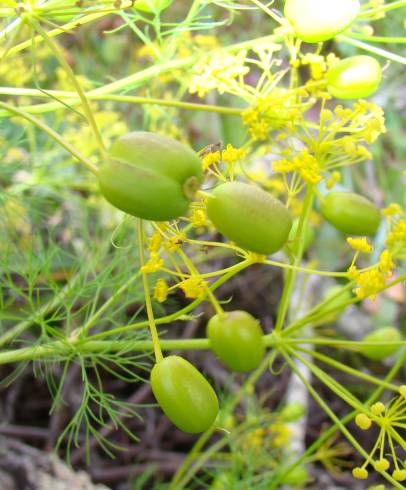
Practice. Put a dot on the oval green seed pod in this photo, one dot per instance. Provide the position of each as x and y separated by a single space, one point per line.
152 6
150 176
381 351
236 338
319 20
351 213
354 78
298 477
184 394
249 216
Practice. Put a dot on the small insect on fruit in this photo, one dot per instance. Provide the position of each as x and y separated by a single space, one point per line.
150 176
319 20
249 216
354 78
350 213
381 351
236 338
152 6
184 394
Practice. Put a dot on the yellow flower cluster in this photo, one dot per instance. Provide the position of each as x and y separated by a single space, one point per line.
155 242
318 64
371 118
210 159
277 435
174 243
220 72
193 287
231 154
154 263
161 290
198 218
270 112
397 235
392 210
360 244
304 163
388 419
371 282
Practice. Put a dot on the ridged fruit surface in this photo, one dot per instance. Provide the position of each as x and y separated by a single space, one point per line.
150 176
249 216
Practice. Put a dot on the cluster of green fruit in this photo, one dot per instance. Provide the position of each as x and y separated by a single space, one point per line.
154 177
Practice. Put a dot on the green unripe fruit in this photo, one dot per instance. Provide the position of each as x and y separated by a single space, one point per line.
152 6
150 176
184 394
292 412
381 351
236 338
319 20
298 477
350 213
354 78
249 216
335 303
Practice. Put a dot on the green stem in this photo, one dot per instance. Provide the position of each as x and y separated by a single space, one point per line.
383 8
65 65
373 49
127 99
378 39
150 313
57 31
53 134
155 71
180 313
297 252
334 417
329 432
83 331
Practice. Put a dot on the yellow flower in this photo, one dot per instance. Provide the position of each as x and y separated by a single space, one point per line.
218 72
174 242
386 264
154 263
193 287
360 244
360 473
393 209
390 420
155 242
369 283
161 290
281 434
363 421
198 218
210 159
304 163
231 154
397 235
